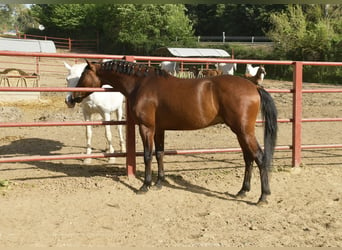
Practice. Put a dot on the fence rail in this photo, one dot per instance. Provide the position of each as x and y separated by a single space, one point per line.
296 120
67 43
224 39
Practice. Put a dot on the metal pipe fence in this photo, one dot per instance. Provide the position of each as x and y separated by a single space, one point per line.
130 155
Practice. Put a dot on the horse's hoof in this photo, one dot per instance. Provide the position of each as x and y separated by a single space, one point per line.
157 187
143 190
262 203
241 194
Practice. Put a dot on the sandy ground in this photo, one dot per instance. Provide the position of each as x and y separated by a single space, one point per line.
66 203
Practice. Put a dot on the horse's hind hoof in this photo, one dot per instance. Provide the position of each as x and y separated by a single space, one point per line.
262 203
241 194
143 190
157 187
262 200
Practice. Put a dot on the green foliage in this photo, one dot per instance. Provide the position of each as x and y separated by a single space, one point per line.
62 18
310 33
5 17
233 19
124 28
300 32
15 17
305 35
139 29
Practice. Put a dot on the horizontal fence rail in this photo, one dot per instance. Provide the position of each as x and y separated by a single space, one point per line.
131 153
66 43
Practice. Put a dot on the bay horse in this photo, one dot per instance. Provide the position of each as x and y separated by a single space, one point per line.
159 102
103 103
204 72
211 72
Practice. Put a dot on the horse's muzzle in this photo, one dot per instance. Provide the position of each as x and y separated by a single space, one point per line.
70 102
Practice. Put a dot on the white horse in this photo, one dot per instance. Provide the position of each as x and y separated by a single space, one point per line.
250 70
170 67
253 71
103 103
227 68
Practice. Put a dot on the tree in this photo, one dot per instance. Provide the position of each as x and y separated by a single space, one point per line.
132 28
306 33
5 17
125 28
62 18
233 19
16 17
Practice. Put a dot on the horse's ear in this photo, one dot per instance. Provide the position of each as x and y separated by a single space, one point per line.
90 65
67 65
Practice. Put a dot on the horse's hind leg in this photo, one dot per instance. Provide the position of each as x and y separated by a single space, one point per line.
253 152
147 135
89 133
159 144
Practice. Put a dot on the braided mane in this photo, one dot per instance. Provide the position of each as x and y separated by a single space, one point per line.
134 69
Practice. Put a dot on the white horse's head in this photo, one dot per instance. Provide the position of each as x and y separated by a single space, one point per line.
74 74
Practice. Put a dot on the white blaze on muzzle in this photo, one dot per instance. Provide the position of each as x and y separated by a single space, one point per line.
69 101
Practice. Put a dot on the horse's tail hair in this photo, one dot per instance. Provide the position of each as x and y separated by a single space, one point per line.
269 115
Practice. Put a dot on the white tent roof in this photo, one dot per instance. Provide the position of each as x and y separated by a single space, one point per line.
191 52
10 44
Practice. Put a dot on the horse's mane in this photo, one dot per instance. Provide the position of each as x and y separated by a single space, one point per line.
131 68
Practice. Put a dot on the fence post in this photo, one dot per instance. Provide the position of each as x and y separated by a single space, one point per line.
130 135
297 114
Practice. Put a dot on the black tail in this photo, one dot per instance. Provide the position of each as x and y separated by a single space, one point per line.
269 115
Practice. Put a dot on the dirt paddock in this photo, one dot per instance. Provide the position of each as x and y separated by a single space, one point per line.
66 203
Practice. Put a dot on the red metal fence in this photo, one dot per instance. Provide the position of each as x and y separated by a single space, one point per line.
296 120
67 43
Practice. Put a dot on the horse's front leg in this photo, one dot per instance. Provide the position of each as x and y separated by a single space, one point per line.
108 133
89 133
147 135
159 142
119 118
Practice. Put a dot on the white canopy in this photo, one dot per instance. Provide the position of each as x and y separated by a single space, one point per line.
191 52
29 45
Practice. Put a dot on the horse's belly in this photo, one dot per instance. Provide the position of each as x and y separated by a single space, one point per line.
189 122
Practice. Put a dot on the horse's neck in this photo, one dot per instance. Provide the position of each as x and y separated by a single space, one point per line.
120 82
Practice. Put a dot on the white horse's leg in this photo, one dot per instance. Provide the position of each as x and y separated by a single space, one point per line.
119 114
106 117
89 134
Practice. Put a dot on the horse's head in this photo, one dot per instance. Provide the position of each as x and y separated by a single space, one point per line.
88 79
74 74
